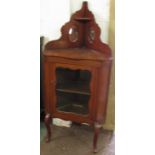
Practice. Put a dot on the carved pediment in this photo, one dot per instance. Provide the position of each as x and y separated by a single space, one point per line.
81 31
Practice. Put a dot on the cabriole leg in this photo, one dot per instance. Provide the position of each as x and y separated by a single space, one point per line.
48 127
96 134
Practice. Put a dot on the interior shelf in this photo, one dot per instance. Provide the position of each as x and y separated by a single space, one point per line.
72 103
73 91
83 19
73 108
73 88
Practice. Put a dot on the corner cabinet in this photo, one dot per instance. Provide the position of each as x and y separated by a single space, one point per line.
76 74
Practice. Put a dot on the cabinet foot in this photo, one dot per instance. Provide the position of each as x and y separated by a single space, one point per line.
48 127
96 134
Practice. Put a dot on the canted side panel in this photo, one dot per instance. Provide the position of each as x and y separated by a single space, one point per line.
102 92
46 87
95 95
49 85
52 83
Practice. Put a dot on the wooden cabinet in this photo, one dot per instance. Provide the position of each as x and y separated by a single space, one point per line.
76 74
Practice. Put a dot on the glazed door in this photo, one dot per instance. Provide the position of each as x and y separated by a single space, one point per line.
73 90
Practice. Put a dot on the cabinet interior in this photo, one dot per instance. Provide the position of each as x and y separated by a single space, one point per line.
73 90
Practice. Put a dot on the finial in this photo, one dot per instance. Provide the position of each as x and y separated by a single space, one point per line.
85 5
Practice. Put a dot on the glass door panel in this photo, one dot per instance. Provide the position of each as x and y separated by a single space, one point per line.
73 90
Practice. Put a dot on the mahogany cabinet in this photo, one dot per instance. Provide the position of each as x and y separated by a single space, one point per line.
77 73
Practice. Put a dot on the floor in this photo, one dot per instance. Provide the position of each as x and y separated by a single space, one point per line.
76 140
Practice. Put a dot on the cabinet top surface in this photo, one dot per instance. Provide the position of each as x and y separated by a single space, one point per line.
76 53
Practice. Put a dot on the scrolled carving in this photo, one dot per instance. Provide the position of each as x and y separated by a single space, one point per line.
80 31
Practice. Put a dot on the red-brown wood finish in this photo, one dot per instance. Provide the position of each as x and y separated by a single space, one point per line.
48 126
84 53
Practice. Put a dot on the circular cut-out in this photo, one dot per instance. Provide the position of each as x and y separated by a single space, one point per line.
91 36
73 34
